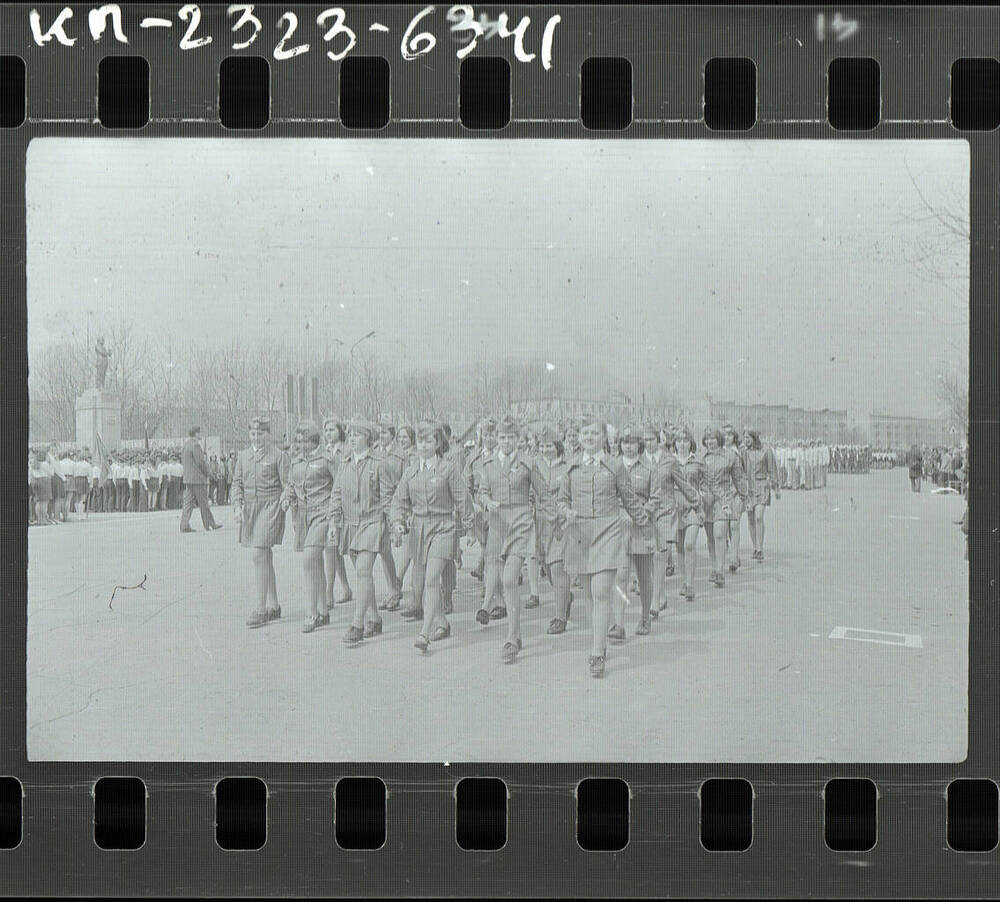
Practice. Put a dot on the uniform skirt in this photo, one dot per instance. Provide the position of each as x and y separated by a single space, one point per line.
153 484
368 536
41 488
433 537
263 523
311 528
737 508
58 487
81 485
665 530
762 494
641 539
511 531
595 544
551 542
690 516
717 508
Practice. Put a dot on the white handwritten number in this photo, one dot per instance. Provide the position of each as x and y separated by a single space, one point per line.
518 35
246 18
280 52
547 36
56 30
189 42
462 16
338 27
415 45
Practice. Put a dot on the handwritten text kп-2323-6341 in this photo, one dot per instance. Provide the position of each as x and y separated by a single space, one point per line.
334 30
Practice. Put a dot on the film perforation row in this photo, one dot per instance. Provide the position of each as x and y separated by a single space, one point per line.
358 815
606 93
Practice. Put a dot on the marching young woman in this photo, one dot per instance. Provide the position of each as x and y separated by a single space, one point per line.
640 541
592 494
763 479
690 510
656 448
406 446
509 477
430 491
258 482
449 576
359 502
533 564
551 533
487 444
396 462
334 446
571 441
311 474
724 480
731 442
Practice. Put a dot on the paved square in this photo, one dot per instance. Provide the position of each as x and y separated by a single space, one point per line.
746 673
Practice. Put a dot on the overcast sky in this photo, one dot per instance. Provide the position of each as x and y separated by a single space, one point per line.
770 271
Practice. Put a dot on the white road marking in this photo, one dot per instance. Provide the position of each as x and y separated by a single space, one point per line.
907 640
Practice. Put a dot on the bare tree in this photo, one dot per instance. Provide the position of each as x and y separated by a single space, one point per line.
57 376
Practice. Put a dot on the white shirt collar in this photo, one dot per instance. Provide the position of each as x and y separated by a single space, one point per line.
629 462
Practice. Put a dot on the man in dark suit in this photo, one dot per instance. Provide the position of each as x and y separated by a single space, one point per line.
196 477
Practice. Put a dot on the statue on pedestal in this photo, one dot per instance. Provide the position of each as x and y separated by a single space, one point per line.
101 363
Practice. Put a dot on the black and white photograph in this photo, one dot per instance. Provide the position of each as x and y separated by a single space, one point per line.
534 450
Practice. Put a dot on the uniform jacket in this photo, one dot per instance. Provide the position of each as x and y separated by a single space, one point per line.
599 490
762 466
512 482
310 481
671 480
436 492
260 475
724 473
362 490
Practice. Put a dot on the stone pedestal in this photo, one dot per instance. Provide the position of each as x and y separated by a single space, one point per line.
98 412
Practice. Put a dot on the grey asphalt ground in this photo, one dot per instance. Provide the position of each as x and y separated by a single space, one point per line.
747 673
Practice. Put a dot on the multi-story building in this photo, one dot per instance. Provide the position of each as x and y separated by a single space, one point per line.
615 411
780 421
887 431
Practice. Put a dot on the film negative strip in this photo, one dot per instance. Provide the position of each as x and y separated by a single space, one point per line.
430 310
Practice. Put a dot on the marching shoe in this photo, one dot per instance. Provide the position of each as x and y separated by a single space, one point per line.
373 628
482 616
353 635
532 602
617 632
643 628
597 665
422 643
498 613
557 626
442 632
509 651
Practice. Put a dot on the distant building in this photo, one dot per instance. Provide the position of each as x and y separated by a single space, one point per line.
783 422
616 412
887 431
